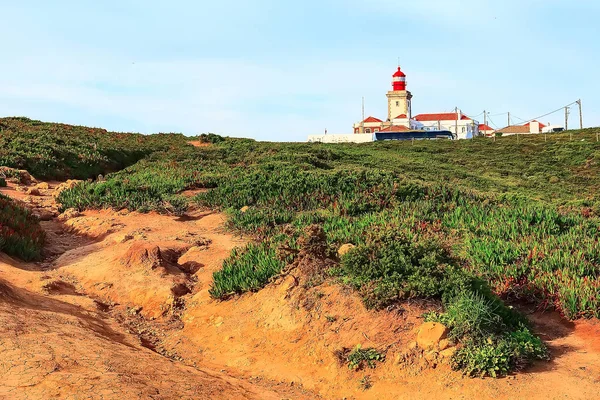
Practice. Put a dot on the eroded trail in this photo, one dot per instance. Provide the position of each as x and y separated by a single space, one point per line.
114 282
59 342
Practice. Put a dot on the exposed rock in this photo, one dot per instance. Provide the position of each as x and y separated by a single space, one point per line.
444 344
345 249
70 184
123 238
16 176
34 191
143 254
43 186
44 215
69 214
430 334
244 209
100 178
191 267
431 356
26 177
448 353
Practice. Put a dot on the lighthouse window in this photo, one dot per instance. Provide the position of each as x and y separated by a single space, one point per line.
397 104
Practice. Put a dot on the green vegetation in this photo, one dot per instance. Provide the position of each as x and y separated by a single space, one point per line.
460 222
247 270
495 338
359 358
20 232
60 151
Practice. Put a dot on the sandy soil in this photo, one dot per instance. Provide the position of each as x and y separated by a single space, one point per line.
116 280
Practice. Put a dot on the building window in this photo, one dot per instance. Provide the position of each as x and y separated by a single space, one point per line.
397 104
376 130
368 130
463 129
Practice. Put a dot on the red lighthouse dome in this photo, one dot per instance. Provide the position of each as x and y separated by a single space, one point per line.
399 80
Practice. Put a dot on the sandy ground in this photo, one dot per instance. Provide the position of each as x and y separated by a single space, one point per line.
115 284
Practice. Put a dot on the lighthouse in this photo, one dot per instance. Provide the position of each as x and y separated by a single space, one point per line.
399 99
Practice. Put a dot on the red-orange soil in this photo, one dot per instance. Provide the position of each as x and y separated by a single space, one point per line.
67 326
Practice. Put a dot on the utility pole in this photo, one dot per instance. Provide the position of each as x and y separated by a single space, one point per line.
484 118
362 124
456 123
580 114
566 118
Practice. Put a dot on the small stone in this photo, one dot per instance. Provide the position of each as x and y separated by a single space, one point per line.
70 213
448 353
44 215
244 209
430 334
26 177
412 346
431 356
345 249
444 344
34 191
43 186
123 238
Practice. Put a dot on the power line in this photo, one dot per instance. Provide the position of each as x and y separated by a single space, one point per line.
550 113
492 122
514 116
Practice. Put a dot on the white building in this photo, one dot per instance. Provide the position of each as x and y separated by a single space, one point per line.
351 138
459 124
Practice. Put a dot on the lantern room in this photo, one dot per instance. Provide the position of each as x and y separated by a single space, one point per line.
399 81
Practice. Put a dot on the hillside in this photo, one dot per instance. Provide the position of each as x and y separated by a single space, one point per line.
473 233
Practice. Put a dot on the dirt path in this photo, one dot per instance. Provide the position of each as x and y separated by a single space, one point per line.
152 273
57 343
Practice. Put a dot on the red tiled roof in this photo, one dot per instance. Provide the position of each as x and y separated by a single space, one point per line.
484 127
401 116
515 129
395 128
440 117
372 119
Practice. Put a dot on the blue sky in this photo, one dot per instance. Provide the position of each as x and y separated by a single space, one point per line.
280 70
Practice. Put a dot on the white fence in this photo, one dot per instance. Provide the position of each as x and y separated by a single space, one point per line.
352 138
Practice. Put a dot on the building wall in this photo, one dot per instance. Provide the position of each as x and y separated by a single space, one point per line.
398 103
372 126
467 129
351 138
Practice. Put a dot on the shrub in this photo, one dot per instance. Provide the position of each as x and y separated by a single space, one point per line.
2 182
210 138
20 232
395 267
499 355
247 269
359 358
